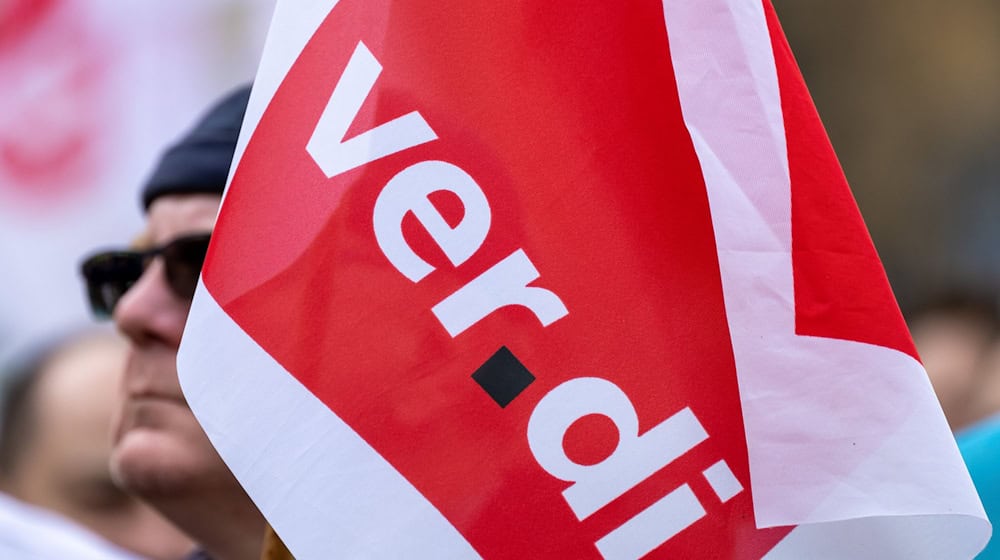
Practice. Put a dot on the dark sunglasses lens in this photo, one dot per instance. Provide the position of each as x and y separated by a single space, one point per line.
109 275
183 259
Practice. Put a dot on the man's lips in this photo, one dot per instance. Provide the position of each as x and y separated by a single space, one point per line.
150 411
152 384
152 397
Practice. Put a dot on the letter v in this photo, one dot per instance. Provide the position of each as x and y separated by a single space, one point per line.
327 146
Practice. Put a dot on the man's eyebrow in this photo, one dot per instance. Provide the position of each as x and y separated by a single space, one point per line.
141 241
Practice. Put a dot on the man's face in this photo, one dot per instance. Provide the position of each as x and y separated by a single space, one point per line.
160 450
952 346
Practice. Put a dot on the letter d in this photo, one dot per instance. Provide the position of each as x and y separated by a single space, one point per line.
634 459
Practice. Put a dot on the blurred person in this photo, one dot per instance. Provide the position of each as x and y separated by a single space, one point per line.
957 335
953 334
985 400
161 453
28 532
980 447
54 450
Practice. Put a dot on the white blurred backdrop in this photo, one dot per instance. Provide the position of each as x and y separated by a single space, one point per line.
90 92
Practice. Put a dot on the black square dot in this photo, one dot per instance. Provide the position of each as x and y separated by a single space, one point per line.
503 376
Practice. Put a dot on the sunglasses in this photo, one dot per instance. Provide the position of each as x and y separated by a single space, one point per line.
109 274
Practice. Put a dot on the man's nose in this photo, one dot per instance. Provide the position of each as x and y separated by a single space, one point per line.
150 311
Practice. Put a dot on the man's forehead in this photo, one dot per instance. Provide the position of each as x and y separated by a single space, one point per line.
172 216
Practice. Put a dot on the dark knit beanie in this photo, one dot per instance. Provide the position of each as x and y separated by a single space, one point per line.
199 162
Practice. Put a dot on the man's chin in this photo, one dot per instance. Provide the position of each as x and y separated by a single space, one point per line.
152 463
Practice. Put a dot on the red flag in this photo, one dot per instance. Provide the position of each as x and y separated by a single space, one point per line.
524 281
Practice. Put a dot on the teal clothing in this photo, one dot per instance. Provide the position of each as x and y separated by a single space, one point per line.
980 447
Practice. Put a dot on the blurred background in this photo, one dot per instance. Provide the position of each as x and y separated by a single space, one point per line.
91 91
910 96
